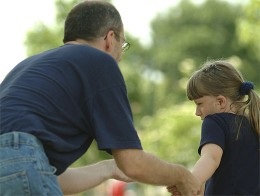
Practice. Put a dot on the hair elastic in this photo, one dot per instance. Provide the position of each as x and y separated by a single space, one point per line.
246 87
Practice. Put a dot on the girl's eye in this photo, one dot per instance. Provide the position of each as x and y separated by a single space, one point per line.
197 102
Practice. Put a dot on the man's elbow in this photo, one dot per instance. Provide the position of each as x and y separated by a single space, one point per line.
133 172
130 162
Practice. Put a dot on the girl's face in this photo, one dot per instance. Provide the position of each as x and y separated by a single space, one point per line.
207 105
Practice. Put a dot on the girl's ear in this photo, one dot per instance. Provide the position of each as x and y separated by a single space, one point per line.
222 101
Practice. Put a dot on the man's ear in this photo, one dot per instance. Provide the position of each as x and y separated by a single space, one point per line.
222 101
109 41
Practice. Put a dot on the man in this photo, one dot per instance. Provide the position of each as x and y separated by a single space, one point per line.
60 100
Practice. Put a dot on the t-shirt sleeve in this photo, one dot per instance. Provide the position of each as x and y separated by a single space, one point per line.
112 120
211 132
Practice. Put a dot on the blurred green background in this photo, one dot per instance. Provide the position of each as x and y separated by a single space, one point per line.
183 38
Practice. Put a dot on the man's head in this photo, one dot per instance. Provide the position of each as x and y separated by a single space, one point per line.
91 20
98 24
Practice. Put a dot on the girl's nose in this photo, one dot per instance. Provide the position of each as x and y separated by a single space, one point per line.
197 113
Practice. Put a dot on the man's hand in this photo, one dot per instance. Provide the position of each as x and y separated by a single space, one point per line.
178 190
188 185
173 190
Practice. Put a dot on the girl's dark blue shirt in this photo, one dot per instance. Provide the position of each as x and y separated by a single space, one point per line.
67 97
238 172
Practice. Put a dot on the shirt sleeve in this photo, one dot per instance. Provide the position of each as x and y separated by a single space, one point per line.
212 132
112 120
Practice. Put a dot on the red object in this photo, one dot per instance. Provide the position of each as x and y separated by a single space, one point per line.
118 188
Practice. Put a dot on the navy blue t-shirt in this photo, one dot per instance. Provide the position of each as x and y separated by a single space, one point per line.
238 172
67 97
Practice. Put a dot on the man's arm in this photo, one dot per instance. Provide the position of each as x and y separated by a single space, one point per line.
147 168
75 180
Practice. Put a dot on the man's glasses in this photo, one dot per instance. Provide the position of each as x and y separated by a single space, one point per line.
125 45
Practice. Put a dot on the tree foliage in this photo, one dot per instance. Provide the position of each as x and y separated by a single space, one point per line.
191 34
173 134
42 37
248 28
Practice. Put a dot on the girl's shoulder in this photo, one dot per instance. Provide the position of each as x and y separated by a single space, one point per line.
225 116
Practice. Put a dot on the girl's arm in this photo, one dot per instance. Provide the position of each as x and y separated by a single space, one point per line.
204 168
75 180
208 163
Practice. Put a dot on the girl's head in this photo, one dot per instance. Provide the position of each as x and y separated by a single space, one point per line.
221 78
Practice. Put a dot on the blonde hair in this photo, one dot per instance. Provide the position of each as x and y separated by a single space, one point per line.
221 78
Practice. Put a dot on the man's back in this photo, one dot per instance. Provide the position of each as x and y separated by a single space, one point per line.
50 95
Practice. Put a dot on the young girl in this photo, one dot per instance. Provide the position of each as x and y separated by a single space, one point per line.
229 146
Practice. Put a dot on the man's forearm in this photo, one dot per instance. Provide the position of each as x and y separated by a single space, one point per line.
147 168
